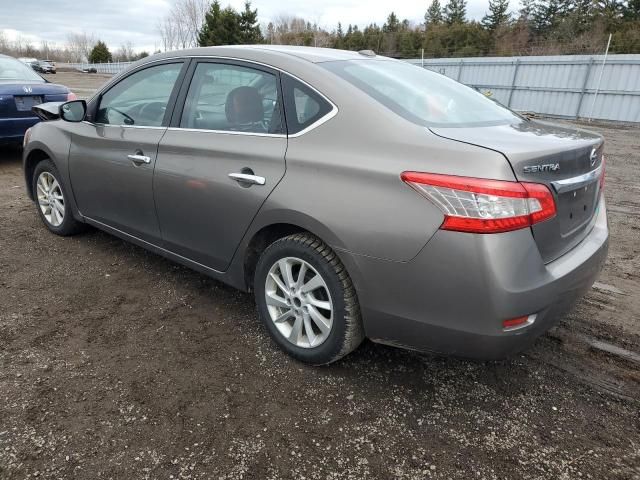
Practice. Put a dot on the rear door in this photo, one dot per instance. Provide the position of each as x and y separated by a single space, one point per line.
112 157
222 156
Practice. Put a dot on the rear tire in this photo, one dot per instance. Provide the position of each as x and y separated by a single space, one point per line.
311 312
51 200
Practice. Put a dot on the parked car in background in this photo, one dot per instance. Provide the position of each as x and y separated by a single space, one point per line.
356 195
44 66
28 60
20 90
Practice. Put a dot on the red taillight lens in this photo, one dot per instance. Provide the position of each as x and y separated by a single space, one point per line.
479 205
71 96
518 322
603 167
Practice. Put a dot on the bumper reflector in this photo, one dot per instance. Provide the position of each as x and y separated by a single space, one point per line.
518 322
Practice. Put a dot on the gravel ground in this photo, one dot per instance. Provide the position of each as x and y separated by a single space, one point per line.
116 363
82 84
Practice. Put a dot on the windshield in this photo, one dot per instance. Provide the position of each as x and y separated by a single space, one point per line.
13 70
421 96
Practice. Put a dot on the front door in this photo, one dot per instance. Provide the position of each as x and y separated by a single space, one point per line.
112 159
219 163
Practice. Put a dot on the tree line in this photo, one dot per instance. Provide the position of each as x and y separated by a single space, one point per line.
540 27
79 47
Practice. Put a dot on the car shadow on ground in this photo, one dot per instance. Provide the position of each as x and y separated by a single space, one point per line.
10 154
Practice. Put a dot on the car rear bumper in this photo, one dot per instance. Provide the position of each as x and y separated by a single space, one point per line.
12 129
453 297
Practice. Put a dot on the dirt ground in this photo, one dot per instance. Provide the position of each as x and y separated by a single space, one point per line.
116 363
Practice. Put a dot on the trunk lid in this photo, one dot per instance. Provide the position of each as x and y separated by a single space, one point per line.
17 99
567 160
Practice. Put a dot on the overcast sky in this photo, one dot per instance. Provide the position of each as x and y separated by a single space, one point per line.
118 21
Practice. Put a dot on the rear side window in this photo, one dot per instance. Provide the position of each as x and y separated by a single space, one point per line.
421 96
303 106
233 98
140 99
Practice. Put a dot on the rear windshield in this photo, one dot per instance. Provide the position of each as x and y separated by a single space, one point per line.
14 70
421 96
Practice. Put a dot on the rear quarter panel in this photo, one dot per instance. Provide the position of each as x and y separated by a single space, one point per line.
345 174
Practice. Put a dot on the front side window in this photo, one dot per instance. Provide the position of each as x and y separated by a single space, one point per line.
232 98
421 96
140 99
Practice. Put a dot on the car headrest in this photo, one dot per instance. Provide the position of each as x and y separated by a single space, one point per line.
244 105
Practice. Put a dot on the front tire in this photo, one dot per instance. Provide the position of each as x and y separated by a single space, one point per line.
51 200
307 301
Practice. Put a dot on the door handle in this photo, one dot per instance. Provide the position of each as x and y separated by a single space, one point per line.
248 179
139 159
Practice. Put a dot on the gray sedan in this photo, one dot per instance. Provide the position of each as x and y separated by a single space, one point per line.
354 194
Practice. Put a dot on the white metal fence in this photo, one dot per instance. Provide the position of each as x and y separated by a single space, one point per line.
110 68
566 86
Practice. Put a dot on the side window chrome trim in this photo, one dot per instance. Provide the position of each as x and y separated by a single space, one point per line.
332 113
328 116
111 125
325 118
227 132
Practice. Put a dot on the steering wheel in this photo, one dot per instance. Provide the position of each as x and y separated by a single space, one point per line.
153 111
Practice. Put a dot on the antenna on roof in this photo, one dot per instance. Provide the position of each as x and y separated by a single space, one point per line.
367 53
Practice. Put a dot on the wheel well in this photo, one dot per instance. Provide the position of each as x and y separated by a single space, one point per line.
33 159
260 241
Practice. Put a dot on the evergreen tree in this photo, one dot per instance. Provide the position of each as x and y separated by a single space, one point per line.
631 11
210 31
455 12
100 53
339 37
221 27
434 14
546 15
497 15
249 27
406 45
393 24
611 10
526 11
230 23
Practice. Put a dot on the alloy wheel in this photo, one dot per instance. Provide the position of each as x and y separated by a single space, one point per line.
50 199
299 302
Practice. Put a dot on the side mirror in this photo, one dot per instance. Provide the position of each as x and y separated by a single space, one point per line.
73 111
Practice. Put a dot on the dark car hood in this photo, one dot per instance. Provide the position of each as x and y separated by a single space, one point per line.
11 87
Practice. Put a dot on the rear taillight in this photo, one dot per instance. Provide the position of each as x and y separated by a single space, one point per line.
71 96
478 205
603 168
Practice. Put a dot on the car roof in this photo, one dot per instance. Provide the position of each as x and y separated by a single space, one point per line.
310 54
